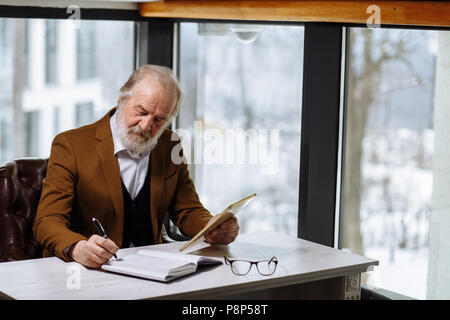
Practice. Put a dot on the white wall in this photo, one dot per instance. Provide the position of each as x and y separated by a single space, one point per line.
439 254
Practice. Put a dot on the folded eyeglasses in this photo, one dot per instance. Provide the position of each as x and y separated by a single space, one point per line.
242 267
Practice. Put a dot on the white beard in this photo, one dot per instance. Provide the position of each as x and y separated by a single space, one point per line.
133 138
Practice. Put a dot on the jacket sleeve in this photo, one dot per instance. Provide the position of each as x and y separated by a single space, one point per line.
51 226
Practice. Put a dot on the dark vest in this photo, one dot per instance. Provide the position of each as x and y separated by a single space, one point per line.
137 225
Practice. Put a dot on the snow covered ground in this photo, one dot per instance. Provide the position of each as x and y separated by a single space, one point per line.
396 207
406 274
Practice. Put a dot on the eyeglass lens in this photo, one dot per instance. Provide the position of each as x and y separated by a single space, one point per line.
266 267
241 267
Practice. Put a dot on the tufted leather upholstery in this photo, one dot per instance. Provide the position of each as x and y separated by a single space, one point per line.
20 190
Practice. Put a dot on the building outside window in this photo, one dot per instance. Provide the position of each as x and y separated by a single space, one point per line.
56 120
5 136
84 113
86 42
52 63
51 47
31 122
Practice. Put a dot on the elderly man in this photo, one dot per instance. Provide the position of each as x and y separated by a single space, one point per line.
119 170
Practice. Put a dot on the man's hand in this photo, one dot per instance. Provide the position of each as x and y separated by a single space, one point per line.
94 252
224 233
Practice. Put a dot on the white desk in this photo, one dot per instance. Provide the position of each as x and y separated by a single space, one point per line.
305 270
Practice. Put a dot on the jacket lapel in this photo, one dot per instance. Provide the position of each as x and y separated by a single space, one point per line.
110 165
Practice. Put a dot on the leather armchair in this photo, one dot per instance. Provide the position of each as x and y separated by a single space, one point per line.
20 191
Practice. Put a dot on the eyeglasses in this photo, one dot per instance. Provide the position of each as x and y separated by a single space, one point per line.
242 267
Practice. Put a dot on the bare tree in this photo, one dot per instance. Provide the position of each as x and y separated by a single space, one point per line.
364 79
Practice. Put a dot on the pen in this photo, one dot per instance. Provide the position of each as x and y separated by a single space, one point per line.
100 230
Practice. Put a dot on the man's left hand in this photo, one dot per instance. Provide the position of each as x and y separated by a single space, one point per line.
224 233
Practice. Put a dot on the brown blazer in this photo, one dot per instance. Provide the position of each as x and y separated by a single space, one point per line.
83 181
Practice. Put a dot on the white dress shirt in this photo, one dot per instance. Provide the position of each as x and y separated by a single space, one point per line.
133 169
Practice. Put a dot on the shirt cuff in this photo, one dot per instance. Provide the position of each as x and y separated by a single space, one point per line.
67 252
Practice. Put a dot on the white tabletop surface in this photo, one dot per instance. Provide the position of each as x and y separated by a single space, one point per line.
299 261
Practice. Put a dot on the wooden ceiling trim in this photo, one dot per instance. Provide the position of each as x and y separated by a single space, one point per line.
419 13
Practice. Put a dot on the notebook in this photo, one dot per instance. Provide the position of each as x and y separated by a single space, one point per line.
158 265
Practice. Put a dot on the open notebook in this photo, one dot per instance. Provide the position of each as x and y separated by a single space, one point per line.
158 265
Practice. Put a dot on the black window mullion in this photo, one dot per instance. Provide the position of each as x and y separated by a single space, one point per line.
160 42
63 13
320 132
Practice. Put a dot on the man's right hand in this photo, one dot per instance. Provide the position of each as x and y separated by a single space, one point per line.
94 252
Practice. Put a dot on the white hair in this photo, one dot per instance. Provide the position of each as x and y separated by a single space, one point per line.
162 74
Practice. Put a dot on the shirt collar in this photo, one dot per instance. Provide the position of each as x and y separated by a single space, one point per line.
118 144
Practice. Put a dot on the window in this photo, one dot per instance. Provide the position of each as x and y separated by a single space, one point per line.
65 67
84 113
51 54
5 136
86 51
6 32
395 206
31 136
56 120
240 118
